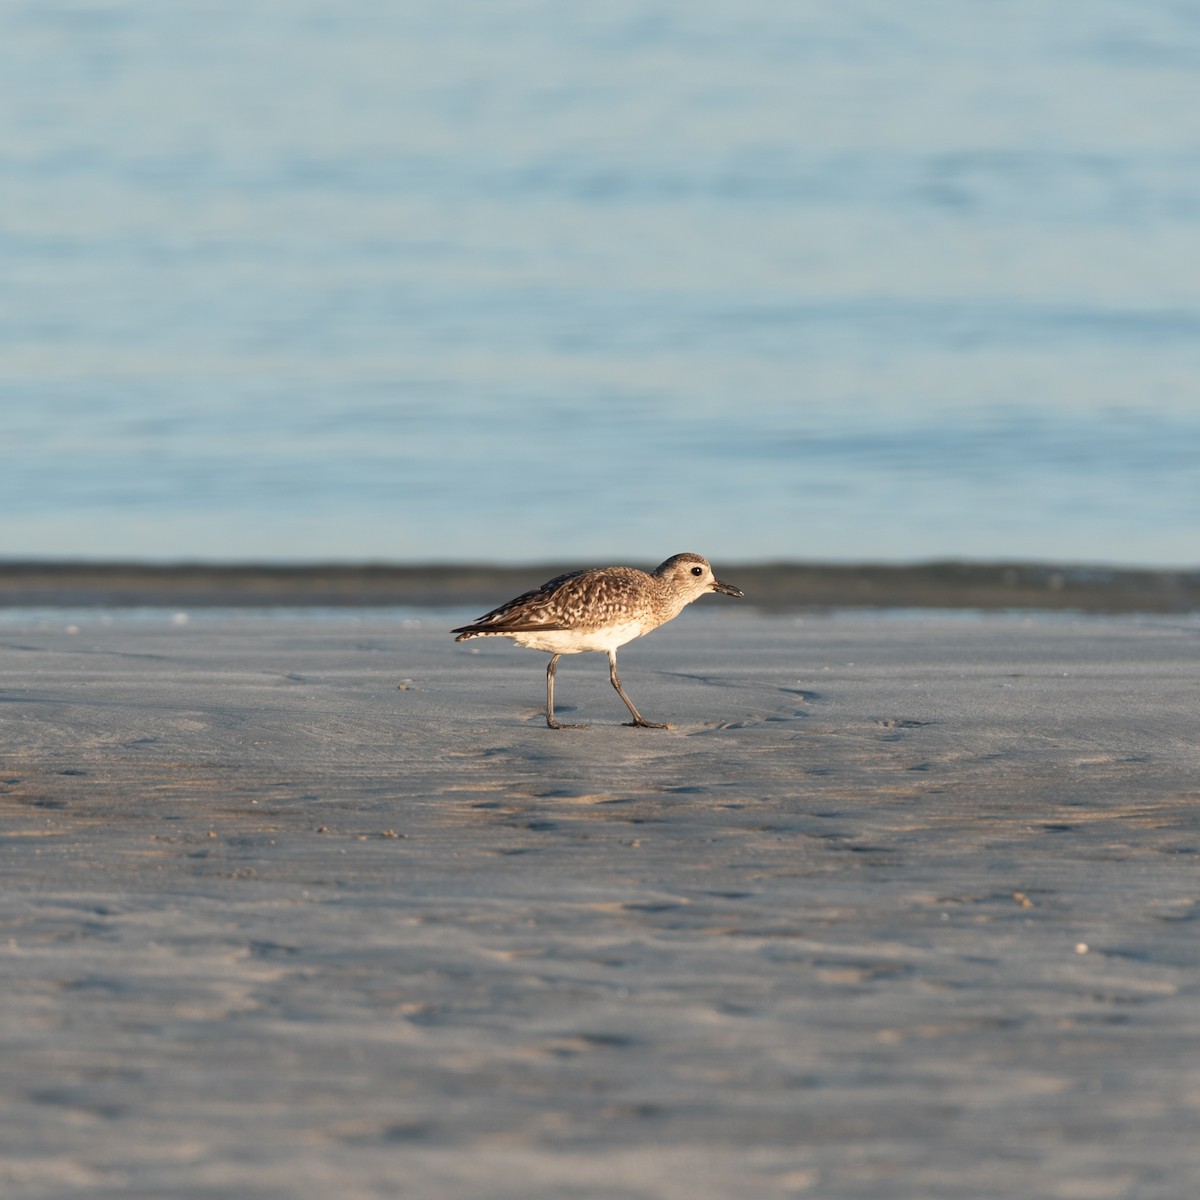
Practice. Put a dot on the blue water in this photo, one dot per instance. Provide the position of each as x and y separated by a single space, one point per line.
335 279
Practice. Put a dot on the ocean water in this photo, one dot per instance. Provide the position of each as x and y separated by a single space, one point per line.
514 280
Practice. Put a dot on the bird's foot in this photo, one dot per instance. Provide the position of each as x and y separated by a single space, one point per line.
562 725
646 725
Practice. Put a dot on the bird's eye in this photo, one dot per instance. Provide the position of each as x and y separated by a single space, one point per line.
697 570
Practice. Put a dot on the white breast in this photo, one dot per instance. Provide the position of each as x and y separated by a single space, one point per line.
579 641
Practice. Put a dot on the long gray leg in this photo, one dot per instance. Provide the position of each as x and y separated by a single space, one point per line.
550 669
638 720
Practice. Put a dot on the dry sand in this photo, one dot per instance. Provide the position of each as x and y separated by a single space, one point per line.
903 907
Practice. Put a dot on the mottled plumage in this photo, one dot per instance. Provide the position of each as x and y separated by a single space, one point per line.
598 610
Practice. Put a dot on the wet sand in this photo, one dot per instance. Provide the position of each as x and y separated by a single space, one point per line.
902 907
775 586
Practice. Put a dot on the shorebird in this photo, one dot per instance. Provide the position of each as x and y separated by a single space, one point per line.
596 610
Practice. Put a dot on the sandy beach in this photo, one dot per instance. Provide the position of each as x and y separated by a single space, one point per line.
311 905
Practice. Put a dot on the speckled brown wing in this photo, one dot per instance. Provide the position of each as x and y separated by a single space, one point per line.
579 598
530 610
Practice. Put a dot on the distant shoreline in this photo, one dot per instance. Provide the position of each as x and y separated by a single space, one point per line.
777 586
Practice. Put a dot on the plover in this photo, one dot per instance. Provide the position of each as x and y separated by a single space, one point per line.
596 610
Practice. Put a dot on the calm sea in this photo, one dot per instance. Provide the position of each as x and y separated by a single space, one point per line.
509 280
